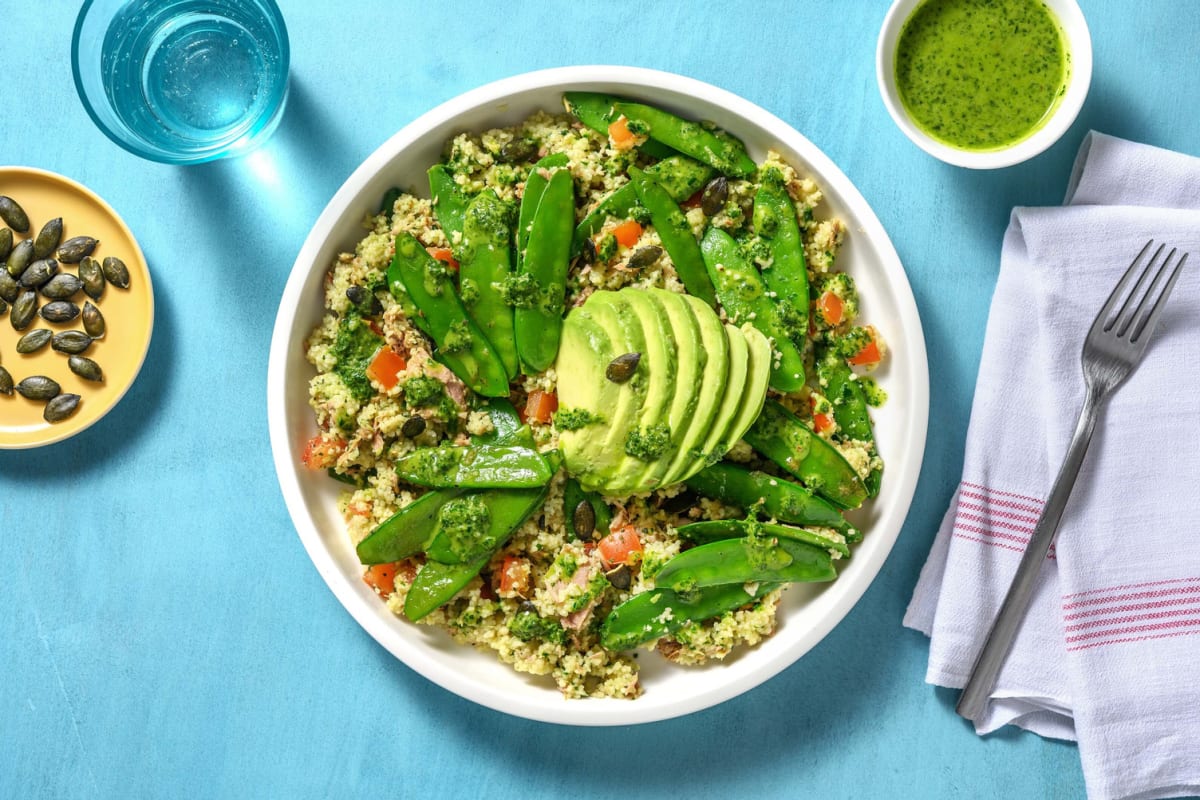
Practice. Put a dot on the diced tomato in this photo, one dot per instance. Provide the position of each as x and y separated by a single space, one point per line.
831 308
321 452
822 422
381 578
867 356
628 233
618 131
693 201
446 255
622 546
386 366
513 577
540 406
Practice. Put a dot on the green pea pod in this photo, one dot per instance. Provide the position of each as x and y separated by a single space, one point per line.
751 559
539 326
449 202
422 285
849 408
595 110
787 276
535 187
404 533
507 427
659 612
388 203
485 264
478 466
742 293
717 529
573 495
681 176
507 510
724 153
780 436
676 235
780 499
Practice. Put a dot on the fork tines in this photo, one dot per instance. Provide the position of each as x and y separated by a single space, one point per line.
1134 315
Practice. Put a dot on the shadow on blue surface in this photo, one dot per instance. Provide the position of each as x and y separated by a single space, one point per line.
68 463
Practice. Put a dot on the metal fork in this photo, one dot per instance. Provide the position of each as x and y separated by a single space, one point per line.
1111 351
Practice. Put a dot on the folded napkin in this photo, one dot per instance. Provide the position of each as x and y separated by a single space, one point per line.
1109 651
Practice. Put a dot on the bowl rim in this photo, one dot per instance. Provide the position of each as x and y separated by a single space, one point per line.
1079 41
590 712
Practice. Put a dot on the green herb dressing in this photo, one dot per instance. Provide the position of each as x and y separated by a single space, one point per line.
981 74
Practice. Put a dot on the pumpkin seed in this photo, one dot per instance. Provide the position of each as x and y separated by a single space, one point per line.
74 249
93 321
92 276
60 311
584 520
73 342
644 256
587 253
715 195
516 150
19 260
9 288
116 272
6 382
621 368
356 295
23 310
38 387
62 286
60 407
38 273
6 243
413 427
85 368
620 577
35 340
13 214
48 238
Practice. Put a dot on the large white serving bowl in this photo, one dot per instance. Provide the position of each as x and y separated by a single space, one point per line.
807 613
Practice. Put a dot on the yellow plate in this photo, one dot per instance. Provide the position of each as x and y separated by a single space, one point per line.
128 313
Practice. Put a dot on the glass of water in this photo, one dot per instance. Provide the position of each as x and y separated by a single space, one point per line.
182 81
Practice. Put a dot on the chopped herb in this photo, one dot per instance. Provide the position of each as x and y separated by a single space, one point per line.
572 419
353 348
648 443
458 338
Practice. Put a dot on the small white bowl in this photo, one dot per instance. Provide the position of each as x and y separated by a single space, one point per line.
1079 49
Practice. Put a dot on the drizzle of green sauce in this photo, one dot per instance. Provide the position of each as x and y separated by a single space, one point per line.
981 74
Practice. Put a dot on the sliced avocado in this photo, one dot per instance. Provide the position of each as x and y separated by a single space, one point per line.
661 365
586 347
714 445
758 373
713 385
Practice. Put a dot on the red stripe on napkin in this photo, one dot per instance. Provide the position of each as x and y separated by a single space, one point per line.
996 518
1132 612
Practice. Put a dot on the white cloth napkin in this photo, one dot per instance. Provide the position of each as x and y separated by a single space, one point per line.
1109 654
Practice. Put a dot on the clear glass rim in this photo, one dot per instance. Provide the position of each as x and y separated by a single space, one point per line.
163 156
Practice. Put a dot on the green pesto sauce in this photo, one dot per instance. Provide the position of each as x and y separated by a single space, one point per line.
981 74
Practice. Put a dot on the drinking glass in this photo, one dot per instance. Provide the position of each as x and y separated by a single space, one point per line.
182 81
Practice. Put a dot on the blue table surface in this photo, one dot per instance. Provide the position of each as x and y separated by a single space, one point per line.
162 631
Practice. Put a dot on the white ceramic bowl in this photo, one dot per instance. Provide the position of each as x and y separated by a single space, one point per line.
1079 46
808 613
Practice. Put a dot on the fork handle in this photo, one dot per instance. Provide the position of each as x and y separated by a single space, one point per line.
975 695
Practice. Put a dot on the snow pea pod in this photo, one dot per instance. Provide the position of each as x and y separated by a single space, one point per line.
849 408
436 584
507 427
744 297
780 499
659 612
538 324
780 436
717 529
427 295
535 187
404 533
725 153
595 110
751 559
787 276
676 235
485 263
478 466
449 202
681 176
